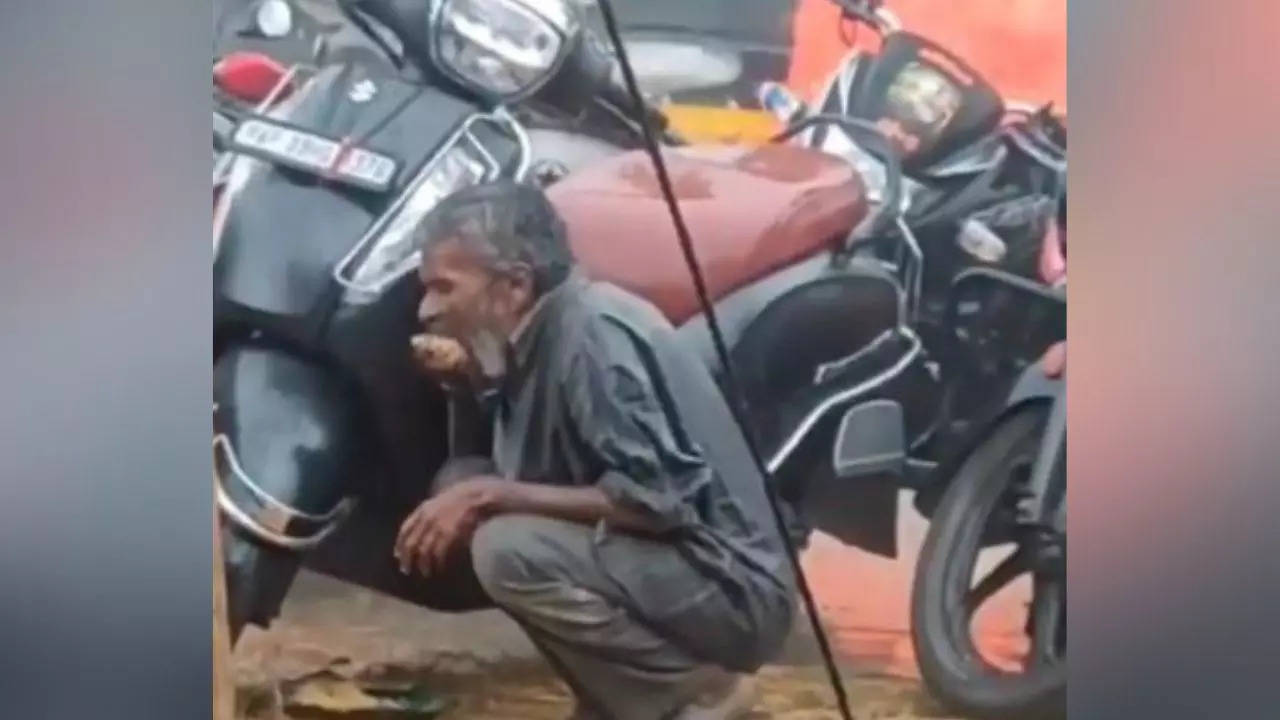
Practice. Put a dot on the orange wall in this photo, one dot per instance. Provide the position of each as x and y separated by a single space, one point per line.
1019 45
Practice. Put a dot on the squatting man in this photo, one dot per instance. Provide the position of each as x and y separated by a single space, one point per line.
617 516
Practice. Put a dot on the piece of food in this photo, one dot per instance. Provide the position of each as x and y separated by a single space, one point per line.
438 353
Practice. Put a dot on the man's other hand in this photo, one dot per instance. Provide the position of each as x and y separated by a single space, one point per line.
440 524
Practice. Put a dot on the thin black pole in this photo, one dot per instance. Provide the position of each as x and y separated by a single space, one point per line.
731 381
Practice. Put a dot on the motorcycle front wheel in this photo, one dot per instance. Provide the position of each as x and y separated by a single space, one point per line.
974 513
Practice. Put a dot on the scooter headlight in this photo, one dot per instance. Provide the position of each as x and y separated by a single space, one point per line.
503 49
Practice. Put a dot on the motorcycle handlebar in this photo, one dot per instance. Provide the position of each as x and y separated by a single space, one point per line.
617 97
873 140
597 76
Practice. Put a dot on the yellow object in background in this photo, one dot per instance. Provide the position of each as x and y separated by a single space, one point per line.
704 124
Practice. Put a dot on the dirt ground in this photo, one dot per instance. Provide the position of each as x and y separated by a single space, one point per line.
484 669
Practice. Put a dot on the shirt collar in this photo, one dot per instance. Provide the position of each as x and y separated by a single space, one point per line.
524 337
523 326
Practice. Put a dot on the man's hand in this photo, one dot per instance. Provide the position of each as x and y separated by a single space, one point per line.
436 528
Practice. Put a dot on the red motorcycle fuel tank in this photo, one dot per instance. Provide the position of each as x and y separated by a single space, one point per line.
750 211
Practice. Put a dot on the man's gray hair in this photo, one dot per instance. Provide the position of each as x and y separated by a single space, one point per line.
510 224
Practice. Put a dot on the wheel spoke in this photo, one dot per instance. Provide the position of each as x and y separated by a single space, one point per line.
1000 576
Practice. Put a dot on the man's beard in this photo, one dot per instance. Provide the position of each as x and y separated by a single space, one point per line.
488 348
480 332
486 343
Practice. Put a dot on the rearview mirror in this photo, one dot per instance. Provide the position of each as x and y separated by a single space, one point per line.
274 18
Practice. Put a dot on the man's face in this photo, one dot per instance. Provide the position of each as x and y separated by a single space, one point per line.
465 300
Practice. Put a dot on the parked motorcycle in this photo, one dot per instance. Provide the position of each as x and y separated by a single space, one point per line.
1008 488
983 175
811 347
941 394
986 201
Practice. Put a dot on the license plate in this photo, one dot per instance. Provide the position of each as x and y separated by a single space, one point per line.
314 153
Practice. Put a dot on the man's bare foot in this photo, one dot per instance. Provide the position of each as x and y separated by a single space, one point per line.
726 697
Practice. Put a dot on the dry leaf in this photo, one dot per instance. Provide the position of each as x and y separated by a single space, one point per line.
326 694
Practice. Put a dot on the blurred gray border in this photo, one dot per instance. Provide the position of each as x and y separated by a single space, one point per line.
105 493
1173 337
104 211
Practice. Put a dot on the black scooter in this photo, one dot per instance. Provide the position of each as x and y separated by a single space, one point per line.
316 402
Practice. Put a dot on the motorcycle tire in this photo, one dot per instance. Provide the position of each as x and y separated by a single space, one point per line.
951 667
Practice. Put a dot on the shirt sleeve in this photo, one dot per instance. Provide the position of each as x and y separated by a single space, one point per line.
628 423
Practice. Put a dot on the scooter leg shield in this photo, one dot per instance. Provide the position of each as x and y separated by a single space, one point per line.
284 445
258 577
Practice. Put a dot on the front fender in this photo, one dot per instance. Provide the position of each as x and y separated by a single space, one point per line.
1032 386
284 445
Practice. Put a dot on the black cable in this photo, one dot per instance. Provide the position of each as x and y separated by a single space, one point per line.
735 395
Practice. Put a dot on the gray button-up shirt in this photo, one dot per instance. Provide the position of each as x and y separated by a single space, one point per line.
599 392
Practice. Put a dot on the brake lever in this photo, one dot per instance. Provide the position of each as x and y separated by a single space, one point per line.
654 117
